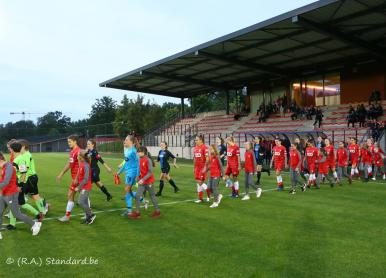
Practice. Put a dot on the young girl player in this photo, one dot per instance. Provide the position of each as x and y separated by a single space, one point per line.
84 185
250 169
216 172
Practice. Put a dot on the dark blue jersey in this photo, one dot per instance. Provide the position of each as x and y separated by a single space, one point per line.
94 158
163 158
259 152
222 150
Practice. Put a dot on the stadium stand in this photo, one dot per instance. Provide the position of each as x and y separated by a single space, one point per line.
212 124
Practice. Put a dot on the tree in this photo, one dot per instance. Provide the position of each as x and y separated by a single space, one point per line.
53 123
102 115
136 115
20 129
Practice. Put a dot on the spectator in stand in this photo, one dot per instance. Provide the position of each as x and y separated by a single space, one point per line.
379 110
351 109
281 109
376 129
372 113
310 111
262 116
361 115
351 118
375 96
318 117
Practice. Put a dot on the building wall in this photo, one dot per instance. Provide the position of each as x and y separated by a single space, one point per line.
358 86
257 96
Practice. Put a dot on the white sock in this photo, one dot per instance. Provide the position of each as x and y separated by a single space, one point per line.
369 169
356 170
204 186
335 174
236 185
70 206
279 179
352 172
198 188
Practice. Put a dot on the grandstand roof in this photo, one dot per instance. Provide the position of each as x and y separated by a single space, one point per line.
320 37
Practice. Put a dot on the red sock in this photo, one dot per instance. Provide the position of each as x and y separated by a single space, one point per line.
68 213
208 193
237 192
200 195
233 189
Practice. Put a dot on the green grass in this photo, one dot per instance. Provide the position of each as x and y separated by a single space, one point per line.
337 232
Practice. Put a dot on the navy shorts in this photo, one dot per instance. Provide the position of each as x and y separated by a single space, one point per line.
165 170
95 175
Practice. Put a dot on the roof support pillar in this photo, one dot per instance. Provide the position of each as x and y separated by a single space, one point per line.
182 108
227 102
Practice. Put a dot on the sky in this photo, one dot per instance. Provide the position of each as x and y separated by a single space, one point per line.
53 54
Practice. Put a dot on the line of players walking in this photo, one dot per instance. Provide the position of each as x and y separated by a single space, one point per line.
308 167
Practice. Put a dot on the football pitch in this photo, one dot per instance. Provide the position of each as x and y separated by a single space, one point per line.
331 232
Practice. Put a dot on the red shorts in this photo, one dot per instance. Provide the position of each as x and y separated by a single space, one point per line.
232 170
73 186
331 164
323 169
279 165
311 168
354 161
378 163
199 174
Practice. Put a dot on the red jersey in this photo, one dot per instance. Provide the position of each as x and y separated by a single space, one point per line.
200 154
144 168
215 167
323 164
353 149
233 153
367 157
279 154
342 157
11 187
294 159
311 155
74 163
330 150
83 167
250 162
378 157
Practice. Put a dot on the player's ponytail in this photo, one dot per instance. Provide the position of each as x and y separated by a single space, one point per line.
93 143
84 154
134 140
214 148
166 144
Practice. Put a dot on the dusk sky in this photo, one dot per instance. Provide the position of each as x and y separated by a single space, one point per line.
55 53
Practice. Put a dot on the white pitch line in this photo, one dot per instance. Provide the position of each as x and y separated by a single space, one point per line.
118 209
164 204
